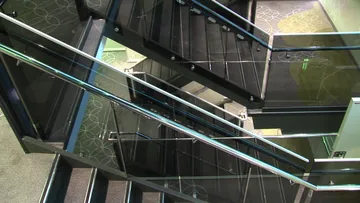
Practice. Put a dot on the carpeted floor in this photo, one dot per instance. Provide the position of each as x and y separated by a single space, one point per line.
98 121
22 176
292 17
306 78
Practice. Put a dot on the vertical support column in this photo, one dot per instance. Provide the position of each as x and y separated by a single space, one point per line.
347 141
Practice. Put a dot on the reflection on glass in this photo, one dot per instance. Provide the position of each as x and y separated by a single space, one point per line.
322 78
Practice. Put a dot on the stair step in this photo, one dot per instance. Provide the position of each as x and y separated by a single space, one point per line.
215 49
151 197
68 184
248 68
76 189
198 41
108 191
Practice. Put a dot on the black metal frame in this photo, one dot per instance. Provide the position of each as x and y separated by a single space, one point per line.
13 109
13 13
179 64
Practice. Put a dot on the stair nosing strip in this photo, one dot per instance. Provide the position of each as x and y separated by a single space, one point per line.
91 185
50 180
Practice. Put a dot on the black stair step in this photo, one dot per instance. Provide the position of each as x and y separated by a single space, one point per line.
215 48
198 41
180 30
239 7
176 32
155 69
166 23
148 12
229 164
150 127
224 129
206 163
136 22
152 162
125 119
234 66
125 12
272 185
183 152
248 67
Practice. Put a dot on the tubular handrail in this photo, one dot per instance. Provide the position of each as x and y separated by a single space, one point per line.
266 44
290 136
172 124
237 15
62 44
332 160
190 94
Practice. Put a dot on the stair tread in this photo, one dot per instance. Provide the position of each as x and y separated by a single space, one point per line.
165 24
116 191
125 10
77 185
151 197
136 22
248 68
234 65
215 48
148 12
198 42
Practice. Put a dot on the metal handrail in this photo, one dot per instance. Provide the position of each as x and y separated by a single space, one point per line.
172 124
237 15
60 43
275 137
337 160
266 44
190 94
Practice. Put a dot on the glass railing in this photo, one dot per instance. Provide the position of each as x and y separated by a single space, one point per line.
312 78
89 69
201 167
166 86
182 33
281 41
235 51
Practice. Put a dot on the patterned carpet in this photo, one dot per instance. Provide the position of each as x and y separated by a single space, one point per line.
57 18
98 120
292 17
305 78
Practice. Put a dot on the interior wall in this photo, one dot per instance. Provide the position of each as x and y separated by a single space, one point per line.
344 14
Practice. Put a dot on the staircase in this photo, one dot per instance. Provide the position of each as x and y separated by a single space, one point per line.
190 42
73 183
166 145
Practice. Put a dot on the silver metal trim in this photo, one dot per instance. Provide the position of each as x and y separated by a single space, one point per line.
239 138
285 136
315 33
47 187
91 185
247 185
31 29
337 188
329 160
